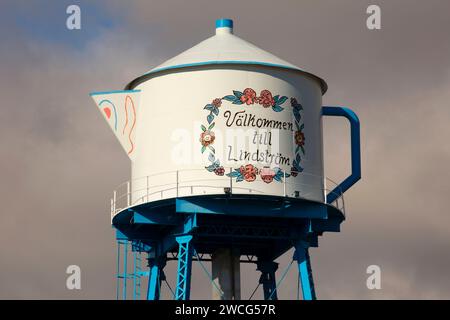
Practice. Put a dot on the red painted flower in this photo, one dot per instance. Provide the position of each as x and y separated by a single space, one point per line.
207 137
299 138
249 96
266 99
217 102
219 171
294 172
249 172
267 174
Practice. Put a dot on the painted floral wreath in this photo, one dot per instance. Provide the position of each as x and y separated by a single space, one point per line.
250 172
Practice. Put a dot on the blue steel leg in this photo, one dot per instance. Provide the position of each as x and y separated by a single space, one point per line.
118 271
267 278
183 289
301 255
125 270
137 274
135 268
155 277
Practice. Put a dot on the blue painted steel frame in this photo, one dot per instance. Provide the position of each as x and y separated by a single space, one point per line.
195 216
301 255
210 205
156 266
183 289
355 149
125 270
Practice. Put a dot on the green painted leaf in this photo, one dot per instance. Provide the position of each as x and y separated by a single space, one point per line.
238 94
203 149
210 118
215 111
278 172
282 100
211 126
233 174
229 98
277 108
203 128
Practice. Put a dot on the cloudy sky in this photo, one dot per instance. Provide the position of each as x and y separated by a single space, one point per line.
59 161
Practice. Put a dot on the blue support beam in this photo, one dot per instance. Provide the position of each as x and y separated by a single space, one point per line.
154 283
301 255
291 208
125 270
135 234
183 289
118 271
155 218
169 241
267 279
155 277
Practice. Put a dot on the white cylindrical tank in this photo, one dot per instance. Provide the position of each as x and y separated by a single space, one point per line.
226 114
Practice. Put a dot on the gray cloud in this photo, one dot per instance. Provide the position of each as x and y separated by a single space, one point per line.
60 163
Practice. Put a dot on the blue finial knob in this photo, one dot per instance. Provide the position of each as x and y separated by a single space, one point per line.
224 23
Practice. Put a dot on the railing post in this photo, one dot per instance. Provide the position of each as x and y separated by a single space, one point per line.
177 183
112 208
128 194
114 201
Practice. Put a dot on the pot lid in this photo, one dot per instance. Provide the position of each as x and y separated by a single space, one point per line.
223 48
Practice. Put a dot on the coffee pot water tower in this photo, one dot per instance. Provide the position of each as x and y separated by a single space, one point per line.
226 149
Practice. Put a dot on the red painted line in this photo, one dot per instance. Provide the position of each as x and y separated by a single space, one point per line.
134 121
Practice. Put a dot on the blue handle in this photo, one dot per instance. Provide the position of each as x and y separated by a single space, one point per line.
356 149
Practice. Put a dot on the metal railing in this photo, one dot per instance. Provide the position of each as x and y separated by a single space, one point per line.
179 183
